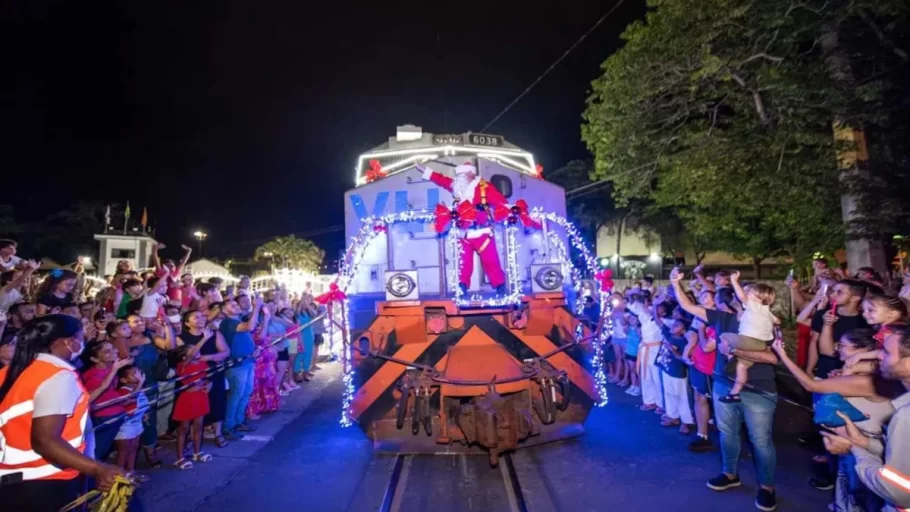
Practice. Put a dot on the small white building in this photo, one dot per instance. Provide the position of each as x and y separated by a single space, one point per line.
206 269
137 249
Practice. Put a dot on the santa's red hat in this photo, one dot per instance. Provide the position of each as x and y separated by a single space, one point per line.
465 168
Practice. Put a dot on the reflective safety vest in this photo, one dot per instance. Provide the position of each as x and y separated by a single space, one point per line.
16 453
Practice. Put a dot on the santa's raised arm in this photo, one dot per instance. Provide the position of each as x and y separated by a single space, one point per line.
467 185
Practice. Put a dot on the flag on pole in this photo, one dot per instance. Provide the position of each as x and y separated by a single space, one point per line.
126 213
107 217
145 218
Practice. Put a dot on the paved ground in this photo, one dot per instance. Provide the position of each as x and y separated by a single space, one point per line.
626 461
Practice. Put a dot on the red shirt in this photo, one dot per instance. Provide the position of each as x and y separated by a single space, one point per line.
92 379
704 362
882 333
184 369
173 286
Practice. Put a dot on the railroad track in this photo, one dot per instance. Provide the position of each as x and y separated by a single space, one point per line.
453 483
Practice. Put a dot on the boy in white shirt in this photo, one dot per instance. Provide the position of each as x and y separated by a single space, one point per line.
651 339
756 329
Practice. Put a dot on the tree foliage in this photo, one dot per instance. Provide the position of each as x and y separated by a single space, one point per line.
292 252
721 111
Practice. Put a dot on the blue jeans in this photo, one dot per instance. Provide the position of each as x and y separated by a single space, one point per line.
104 436
240 381
149 437
758 413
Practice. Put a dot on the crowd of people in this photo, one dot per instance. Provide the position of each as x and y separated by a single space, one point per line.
91 379
720 338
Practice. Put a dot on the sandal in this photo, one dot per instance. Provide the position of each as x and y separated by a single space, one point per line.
221 442
658 410
183 464
648 407
669 422
153 461
686 429
202 457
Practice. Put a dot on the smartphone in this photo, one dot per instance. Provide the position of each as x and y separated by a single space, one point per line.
827 429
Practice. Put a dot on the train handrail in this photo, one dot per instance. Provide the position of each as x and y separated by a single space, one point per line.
434 375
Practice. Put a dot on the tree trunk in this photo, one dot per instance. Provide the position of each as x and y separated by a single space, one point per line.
699 256
852 159
756 267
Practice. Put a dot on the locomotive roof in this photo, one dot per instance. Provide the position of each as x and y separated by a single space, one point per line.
411 146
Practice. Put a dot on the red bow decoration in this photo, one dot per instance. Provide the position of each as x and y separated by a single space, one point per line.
464 212
375 171
539 170
515 213
381 228
333 295
605 277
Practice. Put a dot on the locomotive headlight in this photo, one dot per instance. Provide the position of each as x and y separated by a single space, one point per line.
549 278
400 285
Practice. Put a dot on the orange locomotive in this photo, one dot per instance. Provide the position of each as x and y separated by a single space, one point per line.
447 362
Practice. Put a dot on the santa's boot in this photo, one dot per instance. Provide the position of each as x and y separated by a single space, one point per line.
464 289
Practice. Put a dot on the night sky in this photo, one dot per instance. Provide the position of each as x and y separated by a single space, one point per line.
245 118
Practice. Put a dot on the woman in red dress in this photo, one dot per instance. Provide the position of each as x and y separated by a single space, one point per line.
265 397
192 404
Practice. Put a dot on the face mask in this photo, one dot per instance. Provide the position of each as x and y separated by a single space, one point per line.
79 353
174 319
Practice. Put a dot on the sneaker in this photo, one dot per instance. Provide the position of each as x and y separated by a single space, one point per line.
822 484
636 391
243 427
766 500
630 390
701 445
722 482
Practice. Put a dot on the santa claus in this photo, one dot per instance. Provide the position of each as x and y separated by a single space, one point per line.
467 186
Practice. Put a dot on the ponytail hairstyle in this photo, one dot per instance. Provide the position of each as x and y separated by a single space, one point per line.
55 277
37 337
863 339
891 303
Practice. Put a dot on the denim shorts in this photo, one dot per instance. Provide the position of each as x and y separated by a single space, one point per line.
700 382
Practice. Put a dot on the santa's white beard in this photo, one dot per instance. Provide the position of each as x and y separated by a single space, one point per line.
463 187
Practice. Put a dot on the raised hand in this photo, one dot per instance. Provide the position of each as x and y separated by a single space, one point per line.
699 269
186 248
120 363
677 275
734 276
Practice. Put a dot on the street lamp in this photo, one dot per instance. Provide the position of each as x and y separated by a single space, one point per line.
200 236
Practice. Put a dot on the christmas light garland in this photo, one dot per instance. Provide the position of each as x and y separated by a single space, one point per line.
371 227
606 307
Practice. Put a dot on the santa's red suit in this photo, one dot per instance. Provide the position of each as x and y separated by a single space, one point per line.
478 234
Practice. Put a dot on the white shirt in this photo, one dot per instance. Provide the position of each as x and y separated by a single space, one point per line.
10 264
757 321
59 394
650 331
150 304
8 299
